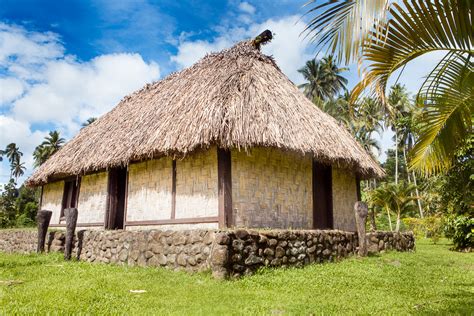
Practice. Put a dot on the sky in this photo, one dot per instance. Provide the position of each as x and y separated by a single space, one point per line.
62 62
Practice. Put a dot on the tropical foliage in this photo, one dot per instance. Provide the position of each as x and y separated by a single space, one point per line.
386 36
324 79
47 148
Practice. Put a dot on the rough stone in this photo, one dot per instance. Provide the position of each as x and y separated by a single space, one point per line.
279 252
253 259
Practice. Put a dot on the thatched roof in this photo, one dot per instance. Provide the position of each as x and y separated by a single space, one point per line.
237 98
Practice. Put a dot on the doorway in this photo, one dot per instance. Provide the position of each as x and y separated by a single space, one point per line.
322 196
117 189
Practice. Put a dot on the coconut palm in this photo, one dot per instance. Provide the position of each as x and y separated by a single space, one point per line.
399 103
385 36
13 153
324 79
391 197
48 147
89 121
18 169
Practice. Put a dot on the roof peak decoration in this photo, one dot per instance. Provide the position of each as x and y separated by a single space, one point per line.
264 38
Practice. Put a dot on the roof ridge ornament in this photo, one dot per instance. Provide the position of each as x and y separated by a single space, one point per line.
262 39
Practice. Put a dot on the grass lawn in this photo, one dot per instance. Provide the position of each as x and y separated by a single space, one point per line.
431 280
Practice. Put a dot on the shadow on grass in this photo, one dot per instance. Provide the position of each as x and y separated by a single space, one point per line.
459 303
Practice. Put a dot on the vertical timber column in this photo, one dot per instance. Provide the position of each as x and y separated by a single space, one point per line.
43 218
224 180
71 220
360 212
173 189
359 193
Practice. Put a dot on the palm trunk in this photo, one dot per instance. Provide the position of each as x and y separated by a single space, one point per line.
373 225
396 156
418 201
406 163
389 220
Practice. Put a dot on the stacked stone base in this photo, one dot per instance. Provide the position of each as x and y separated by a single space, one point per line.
229 253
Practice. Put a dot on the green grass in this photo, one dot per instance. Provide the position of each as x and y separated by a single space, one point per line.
431 280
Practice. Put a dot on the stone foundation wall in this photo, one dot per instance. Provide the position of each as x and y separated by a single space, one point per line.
226 253
20 241
271 188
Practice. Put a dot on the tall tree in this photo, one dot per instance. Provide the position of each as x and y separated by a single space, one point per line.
13 154
52 143
18 169
384 36
89 121
324 79
399 102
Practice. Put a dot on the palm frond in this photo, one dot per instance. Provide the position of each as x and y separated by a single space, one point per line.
416 28
342 26
447 118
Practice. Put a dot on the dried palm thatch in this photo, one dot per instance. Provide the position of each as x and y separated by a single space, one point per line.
237 98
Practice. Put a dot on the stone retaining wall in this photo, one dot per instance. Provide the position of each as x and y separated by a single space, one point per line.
225 253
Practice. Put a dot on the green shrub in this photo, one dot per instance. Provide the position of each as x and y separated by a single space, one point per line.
430 227
461 230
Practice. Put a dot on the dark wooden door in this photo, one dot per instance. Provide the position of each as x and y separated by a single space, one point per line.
116 198
322 196
70 195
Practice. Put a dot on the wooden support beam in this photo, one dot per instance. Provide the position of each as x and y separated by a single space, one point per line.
173 190
359 192
224 181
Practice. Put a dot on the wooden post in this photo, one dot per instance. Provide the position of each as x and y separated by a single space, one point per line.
361 211
224 183
71 220
42 218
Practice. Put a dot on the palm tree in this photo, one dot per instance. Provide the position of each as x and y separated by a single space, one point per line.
324 79
385 36
399 103
48 147
313 73
333 79
2 152
18 169
13 153
89 121
397 198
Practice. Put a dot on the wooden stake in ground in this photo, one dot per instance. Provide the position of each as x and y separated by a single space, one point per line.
42 218
71 219
361 211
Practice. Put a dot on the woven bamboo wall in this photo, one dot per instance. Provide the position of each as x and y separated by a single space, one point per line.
92 198
196 185
344 191
271 188
52 198
149 190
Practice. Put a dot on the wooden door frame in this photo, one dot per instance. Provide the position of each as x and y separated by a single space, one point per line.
328 213
224 185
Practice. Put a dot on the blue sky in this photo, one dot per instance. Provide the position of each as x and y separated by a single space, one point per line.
64 61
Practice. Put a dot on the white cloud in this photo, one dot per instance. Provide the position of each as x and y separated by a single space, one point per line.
287 46
40 85
14 131
10 89
72 91
246 7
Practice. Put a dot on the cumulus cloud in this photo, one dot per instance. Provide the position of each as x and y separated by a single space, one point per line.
288 48
246 7
42 87
10 89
